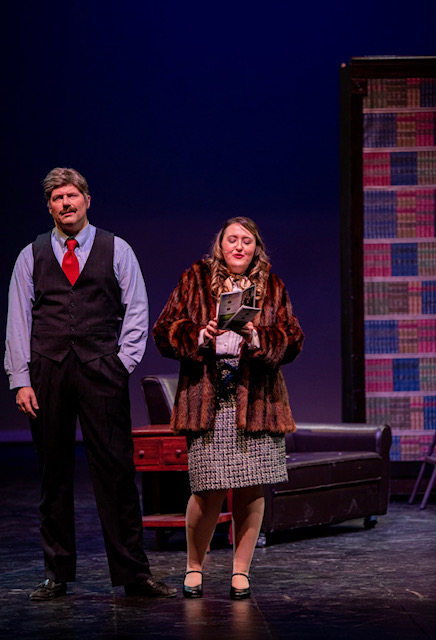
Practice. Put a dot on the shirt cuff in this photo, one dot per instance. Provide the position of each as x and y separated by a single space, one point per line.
127 361
202 341
18 380
255 342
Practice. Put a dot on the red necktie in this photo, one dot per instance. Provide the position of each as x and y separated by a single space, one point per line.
70 264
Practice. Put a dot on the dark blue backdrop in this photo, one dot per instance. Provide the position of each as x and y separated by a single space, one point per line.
181 114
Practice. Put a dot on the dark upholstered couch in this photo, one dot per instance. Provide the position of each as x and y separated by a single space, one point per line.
337 472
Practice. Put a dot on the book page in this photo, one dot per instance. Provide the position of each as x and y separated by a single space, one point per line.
237 302
241 317
228 306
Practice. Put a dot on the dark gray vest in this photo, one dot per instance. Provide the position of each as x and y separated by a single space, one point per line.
85 317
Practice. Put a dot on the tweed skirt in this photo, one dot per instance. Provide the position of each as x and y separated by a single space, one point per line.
227 457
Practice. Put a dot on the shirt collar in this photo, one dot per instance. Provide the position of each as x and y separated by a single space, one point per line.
81 237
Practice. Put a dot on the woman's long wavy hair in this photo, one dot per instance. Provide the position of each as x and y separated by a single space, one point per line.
258 269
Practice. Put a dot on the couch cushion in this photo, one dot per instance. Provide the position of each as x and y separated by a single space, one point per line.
321 469
290 443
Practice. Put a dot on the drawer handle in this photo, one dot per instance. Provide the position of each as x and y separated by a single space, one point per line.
141 453
178 453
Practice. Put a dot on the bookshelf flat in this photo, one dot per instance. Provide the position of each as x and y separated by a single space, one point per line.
388 243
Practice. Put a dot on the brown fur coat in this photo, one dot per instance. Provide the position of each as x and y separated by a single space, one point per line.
261 397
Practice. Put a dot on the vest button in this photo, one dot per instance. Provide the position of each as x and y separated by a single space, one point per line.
72 328
72 317
71 341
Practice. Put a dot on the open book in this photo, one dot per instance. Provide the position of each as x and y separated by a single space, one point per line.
236 308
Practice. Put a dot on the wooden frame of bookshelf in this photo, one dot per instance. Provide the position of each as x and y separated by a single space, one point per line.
388 245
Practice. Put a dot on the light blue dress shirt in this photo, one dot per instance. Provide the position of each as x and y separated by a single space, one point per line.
134 331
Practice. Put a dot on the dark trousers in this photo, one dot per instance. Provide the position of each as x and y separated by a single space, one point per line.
97 393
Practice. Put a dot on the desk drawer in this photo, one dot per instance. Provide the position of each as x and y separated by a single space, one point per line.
174 450
146 451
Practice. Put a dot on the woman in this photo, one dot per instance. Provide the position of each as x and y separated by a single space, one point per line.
231 400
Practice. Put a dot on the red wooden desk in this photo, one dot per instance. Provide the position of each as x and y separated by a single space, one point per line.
156 453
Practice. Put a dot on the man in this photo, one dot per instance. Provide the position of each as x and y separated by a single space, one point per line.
77 327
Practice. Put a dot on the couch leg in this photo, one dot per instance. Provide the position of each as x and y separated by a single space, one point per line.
369 522
261 541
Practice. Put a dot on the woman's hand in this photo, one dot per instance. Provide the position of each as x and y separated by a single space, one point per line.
246 331
212 330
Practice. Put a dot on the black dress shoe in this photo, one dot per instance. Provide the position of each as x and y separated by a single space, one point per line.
240 594
193 592
48 590
148 586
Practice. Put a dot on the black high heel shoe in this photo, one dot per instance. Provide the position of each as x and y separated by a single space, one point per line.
240 594
193 592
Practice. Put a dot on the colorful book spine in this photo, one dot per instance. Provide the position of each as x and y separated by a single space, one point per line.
395 452
429 413
425 129
415 412
404 168
416 404
377 169
426 167
400 374
384 93
425 213
377 260
381 336
427 374
395 298
429 297
414 447
408 129
380 214
411 336
409 447
379 375
426 336
406 214
399 214
402 259
407 336
399 168
380 130
415 297
426 257
405 373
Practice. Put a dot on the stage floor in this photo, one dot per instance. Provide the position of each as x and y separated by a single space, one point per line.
333 583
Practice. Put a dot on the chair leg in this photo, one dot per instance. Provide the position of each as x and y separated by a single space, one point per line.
428 490
417 483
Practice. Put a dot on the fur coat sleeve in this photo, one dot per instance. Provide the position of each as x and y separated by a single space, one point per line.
280 335
188 310
261 396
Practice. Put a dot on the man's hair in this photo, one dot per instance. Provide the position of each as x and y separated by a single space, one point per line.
59 177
